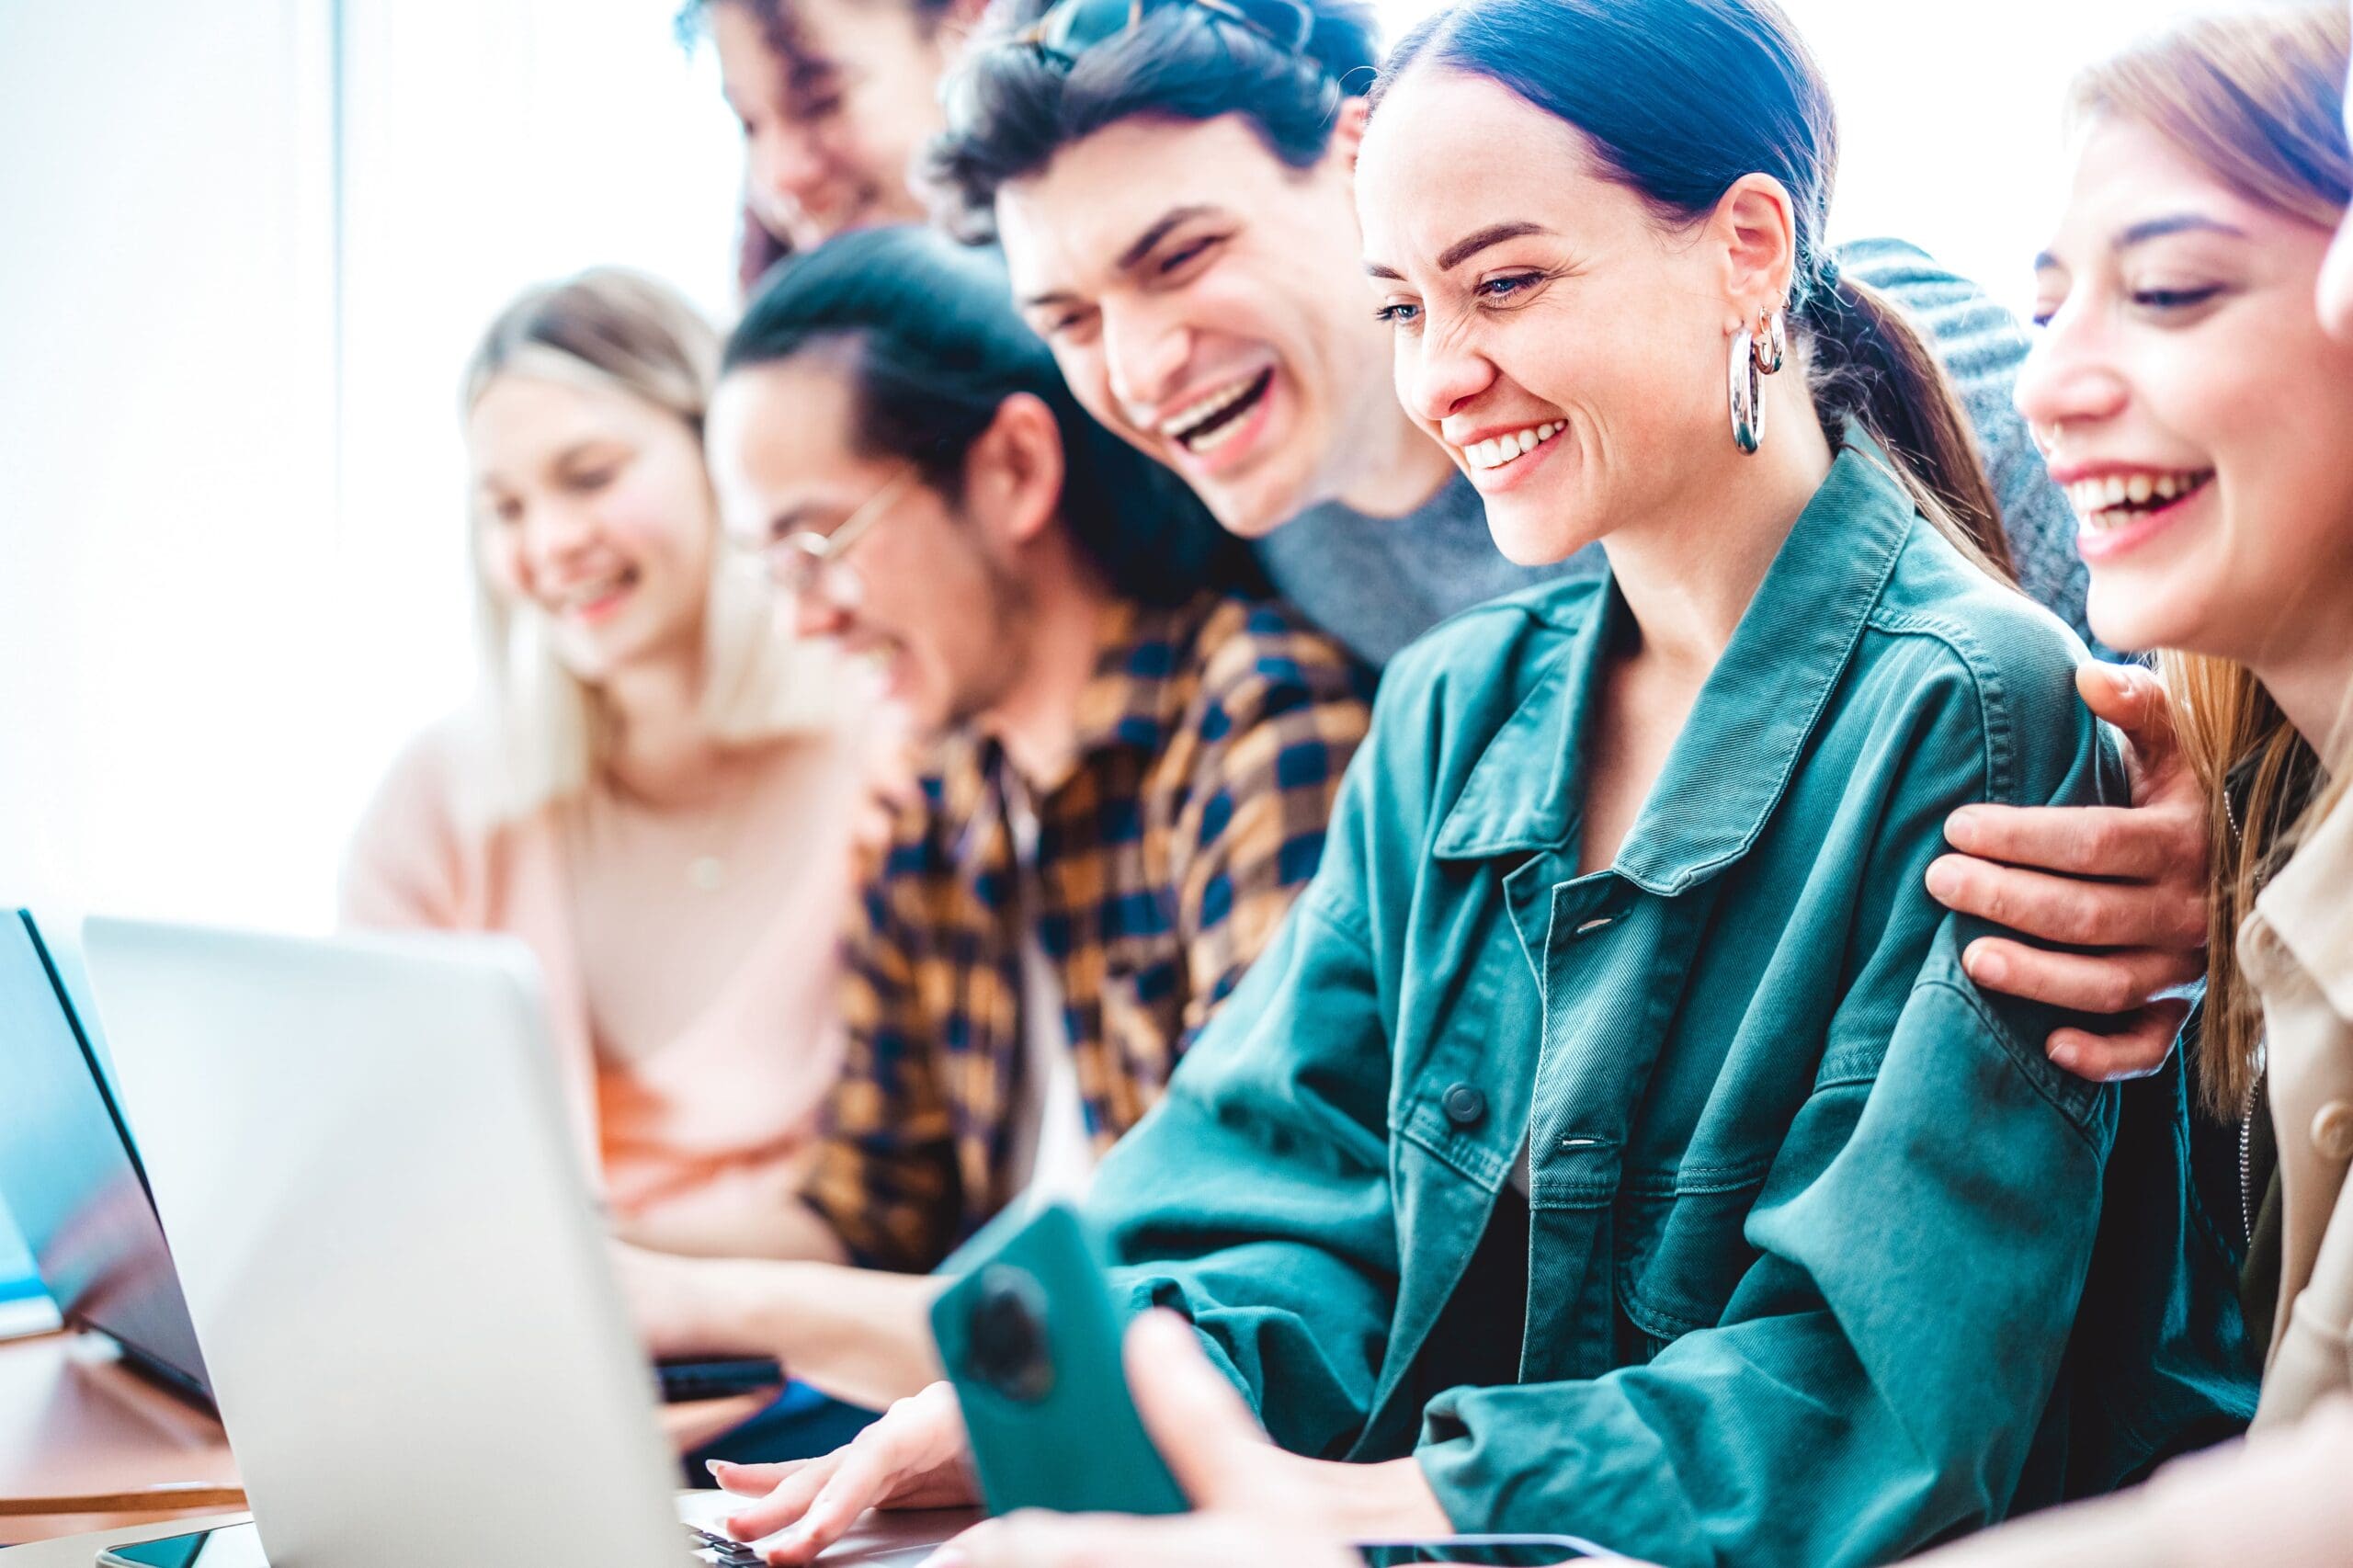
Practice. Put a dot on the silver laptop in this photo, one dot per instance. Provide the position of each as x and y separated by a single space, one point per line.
389 1249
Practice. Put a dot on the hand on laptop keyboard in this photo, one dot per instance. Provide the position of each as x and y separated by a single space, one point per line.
719 1549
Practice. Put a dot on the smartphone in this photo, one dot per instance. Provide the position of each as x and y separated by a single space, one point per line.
1478 1551
1030 1338
233 1546
685 1378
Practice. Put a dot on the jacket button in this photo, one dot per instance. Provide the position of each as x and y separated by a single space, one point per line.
2333 1130
1465 1105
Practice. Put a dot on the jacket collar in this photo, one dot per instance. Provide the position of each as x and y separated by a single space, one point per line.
1737 751
2307 910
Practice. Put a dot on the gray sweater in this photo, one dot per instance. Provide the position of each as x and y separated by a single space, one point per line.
1379 582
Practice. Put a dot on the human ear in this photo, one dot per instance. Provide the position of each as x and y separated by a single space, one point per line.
1347 133
1756 225
1013 475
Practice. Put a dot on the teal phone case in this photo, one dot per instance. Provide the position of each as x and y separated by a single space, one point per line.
1030 1338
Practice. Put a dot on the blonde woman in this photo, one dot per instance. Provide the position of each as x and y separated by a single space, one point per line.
650 792
2212 170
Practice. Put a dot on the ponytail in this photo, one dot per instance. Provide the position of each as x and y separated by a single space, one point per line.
1872 368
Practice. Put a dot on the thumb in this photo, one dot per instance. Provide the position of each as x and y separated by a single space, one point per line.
2125 695
2134 700
1196 1418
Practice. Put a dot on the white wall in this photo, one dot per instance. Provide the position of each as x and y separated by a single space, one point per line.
209 639
492 144
213 631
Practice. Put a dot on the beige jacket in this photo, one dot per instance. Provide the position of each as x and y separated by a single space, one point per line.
2284 1499
2298 948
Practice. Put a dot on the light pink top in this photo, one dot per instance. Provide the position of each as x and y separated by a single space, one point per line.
688 956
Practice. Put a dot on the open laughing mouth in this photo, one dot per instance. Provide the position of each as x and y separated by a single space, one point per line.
1502 452
595 600
1209 423
2120 500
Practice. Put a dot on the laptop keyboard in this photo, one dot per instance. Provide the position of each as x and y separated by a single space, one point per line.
729 1553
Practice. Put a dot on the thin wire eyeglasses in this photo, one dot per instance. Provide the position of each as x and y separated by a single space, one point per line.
807 564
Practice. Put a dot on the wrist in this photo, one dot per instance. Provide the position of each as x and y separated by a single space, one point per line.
1391 1501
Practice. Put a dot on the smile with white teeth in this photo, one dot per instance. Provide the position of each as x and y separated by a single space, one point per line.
1501 451
1209 422
585 596
2118 498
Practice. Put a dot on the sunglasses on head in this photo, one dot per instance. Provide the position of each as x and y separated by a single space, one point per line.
1069 27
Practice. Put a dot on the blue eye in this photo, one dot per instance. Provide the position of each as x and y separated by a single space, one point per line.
1398 315
1504 288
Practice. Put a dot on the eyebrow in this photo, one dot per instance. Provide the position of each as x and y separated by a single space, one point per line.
806 518
2153 229
1463 249
565 458
1145 241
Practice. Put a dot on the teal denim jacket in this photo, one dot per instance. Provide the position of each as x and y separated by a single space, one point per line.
1810 1214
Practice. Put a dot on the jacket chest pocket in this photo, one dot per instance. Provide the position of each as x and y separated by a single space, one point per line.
1681 1255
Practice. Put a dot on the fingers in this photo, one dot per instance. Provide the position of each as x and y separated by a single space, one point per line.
816 1503
2115 983
2134 701
755 1480
2115 842
1198 1421
786 1500
2126 696
2135 1053
2070 911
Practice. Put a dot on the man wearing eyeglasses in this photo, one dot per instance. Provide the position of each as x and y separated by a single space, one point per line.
1128 768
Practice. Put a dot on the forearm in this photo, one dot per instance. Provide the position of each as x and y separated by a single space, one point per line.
858 1335
774 1226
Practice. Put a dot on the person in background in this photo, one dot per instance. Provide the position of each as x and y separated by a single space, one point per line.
836 99
655 792
1130 773
1613 1143
1172 183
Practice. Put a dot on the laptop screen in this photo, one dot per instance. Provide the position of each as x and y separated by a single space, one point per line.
69 1177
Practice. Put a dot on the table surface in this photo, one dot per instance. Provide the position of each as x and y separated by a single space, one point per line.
883 1540
75 1422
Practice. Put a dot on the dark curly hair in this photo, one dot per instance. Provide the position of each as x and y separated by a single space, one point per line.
1012 105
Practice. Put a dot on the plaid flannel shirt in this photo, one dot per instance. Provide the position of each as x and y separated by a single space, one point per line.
1211 741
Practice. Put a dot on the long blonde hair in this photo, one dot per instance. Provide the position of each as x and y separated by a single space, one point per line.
620 332
2257 97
